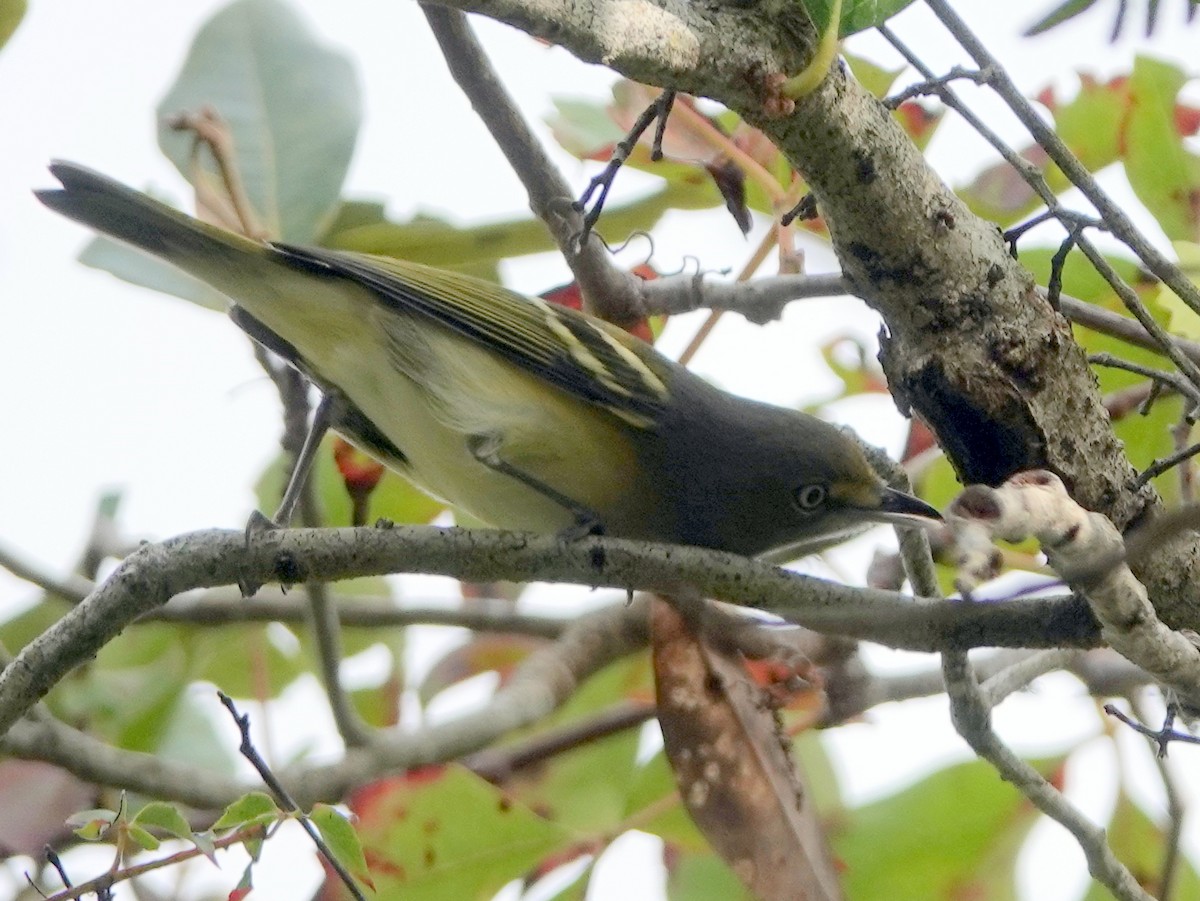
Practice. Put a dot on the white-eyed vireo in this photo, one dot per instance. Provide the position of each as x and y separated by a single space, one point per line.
526 414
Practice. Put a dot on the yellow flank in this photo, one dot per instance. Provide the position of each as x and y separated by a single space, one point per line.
451 389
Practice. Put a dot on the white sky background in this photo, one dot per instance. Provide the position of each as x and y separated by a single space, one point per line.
105 385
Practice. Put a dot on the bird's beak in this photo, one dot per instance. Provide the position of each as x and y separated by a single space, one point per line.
903 509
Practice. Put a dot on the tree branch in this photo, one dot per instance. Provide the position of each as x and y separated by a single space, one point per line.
972 718
154 573
610 292
970 345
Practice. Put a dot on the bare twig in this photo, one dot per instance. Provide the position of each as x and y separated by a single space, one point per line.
658 111
1045 136
102 885
1175 809
1158 467
499 764
70 588
1020 673
1160 737
609 292
1177 383
972 718
44 738
284 798
327 630
1116 219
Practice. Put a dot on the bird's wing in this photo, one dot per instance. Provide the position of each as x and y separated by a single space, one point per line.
583 356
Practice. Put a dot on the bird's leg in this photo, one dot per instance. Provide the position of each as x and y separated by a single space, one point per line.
322 419
485 449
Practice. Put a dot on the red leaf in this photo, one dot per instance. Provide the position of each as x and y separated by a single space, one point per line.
740 784
360 472
570 295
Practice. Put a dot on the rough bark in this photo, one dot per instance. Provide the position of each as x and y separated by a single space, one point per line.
967 345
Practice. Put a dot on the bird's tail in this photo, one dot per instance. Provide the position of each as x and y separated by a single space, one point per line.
214 255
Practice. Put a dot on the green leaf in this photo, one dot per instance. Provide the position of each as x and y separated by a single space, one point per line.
221 656
245 885
857 15
11 14
564 788
1092 124
1061 13
205 844
435 242
653 804
342 840
1141 845
146 271
872 76
1183 320
144 839
955 833
394 498
699 876
1162 172
166 817
292 107
192 734
24 627
443 832
255 807
92 825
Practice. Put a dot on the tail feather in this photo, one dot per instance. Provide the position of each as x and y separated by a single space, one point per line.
214 255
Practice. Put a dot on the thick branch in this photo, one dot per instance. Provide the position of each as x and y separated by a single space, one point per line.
155 573
971 346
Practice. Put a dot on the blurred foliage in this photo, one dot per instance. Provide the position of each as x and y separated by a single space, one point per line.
1069 9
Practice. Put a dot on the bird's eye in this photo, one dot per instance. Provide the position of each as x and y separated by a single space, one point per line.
809 497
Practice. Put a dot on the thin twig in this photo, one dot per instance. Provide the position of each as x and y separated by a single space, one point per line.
1116 219
934 86
499 764
608 291
327 631
70 587
972 719
657 111
1175 809
1022 672
1122 229
103 883
1162 736
1158 467
1177 383
281 794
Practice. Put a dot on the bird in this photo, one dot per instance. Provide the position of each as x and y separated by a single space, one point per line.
525 414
